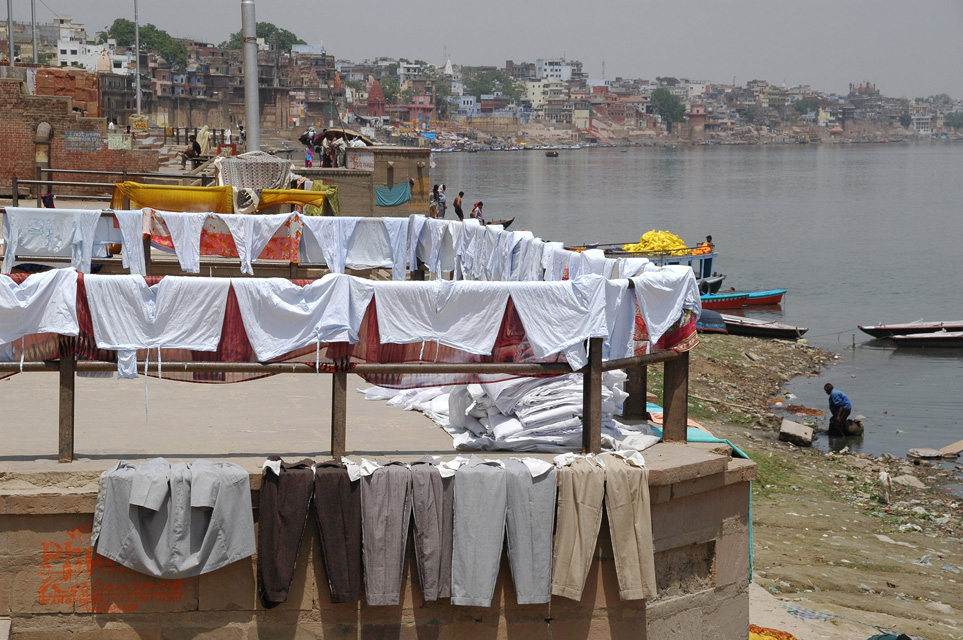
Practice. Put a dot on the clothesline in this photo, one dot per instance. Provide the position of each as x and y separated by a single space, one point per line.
467 250
243 319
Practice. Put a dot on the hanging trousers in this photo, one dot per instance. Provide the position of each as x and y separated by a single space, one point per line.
630 521
582 487
432 499
282 516
481 503
337 503
531 521
386 511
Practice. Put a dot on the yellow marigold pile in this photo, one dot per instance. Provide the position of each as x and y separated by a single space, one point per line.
660 241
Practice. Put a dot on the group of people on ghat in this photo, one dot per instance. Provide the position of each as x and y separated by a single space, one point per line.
331 147
438 205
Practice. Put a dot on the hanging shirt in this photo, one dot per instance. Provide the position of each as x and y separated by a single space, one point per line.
185 230
134 225
416 227
179 312
663 294
43 303
174 520
560 316
252 233
279 316
46 232
463 315
331 235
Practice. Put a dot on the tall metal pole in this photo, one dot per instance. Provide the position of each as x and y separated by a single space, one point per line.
251 107
33 22
137 53
10 29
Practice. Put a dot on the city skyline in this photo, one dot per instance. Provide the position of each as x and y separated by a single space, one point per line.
904 50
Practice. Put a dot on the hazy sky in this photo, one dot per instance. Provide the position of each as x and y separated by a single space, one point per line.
907 48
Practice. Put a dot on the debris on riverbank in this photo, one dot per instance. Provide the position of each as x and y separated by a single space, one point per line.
825 538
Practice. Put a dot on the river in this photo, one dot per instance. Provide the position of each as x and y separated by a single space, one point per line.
858 234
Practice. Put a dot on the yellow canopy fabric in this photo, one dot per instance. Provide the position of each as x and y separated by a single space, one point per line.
332 202
173 197
216 199
272 197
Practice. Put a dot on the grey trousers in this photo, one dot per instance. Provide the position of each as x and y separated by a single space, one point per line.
531 523
481 503
385 513
432 510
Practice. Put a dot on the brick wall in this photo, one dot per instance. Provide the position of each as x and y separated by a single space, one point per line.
22 114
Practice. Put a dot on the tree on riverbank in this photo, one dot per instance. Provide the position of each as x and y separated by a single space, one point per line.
286 39
668 106
151 39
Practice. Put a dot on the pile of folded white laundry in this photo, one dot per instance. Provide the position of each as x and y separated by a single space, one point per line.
521 414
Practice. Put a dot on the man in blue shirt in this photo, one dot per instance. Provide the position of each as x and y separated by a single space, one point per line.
839 410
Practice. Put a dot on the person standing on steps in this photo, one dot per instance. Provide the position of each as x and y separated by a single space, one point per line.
457 204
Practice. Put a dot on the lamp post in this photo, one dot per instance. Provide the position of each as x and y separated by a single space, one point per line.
10 29
137 53
33 23
251 107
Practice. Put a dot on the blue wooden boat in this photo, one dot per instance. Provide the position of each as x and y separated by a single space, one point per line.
711 322
773 296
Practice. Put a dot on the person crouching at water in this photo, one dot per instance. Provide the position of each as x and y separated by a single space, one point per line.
839 409
476 212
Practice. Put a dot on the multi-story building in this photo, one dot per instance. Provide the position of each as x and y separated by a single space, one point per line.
553 69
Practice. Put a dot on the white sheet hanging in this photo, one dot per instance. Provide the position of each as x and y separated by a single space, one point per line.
663 294
252 233
280 316
47 232
332 234
500 261
560 316
620 320
631 267
590 261
42 303
555 260
416 227
185 230
397 230
177 313
463 315
133 224
369 246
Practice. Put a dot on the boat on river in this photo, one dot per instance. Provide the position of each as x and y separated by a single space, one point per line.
755 328
711 322
759 298
551 153
711 284
942 339
724 300
909 328
505 223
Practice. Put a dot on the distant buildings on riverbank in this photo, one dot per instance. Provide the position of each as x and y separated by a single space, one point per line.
304 85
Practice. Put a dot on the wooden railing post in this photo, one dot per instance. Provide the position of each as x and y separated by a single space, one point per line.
339 412
675 399
634 407
68 366
592 399
38 176
15 192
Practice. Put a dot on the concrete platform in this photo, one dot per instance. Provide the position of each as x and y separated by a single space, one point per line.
53 586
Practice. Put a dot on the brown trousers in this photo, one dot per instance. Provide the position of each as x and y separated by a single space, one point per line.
625 489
